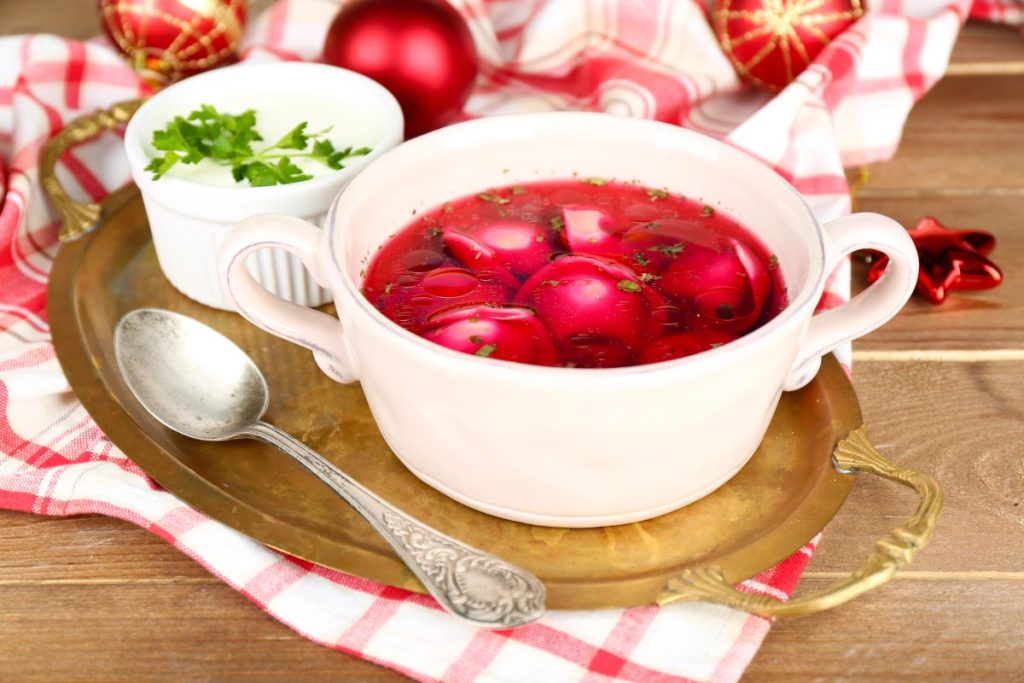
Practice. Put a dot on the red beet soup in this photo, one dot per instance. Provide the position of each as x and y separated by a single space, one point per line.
576 273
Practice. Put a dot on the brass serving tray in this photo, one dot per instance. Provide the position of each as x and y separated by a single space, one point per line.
796 481
782 498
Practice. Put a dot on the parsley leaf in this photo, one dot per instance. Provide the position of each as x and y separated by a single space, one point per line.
296 138
495 198
161 165
258 173
228 138
669 249
486 350
288 172
628 286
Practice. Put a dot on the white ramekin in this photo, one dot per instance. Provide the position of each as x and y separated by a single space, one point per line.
189 221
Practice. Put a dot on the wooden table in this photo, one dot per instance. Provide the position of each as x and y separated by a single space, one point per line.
91 598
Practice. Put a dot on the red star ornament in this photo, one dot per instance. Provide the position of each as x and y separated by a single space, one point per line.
950 259
769 42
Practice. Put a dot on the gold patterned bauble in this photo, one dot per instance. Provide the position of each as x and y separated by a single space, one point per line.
770 42
165 40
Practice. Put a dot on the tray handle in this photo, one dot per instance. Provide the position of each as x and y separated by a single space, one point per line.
853 454
78 218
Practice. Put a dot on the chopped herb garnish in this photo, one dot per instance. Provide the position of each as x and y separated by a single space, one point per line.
557 223
504 171
715 345
433 232
773 261
474 319
518 189
628 286
653 225
655 195
725 312
641 259
486 350
707 211
669 249
540 238
227 140
597 181
494 198
551 283
648 277
387 288
476 339
362 272
448 208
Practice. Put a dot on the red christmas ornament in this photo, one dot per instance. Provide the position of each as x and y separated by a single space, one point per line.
168 39
770 42
950 259
420 50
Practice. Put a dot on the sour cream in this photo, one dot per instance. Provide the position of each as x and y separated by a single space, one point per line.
351 126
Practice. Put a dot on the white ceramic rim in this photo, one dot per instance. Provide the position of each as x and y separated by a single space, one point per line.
136 134
463 362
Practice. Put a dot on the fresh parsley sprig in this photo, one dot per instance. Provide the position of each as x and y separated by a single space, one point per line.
228 140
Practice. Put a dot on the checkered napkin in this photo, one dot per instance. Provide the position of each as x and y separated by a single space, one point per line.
651 58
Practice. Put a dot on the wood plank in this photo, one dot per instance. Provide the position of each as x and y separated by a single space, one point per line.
88 548
986 45
949 631
964 135
963 423
130 632
989 319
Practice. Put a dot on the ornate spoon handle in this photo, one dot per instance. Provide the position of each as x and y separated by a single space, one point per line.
468 582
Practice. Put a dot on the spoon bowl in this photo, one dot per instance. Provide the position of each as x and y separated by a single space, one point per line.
161 354
198 383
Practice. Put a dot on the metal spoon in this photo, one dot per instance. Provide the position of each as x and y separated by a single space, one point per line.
198 383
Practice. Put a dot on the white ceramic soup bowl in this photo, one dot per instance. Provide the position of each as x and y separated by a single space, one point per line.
567 446
190 220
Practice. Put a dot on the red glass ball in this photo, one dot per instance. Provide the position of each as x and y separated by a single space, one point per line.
420 50
167 39
770 42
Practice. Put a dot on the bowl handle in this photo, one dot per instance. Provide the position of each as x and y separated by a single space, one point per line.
853 454
78 218
319 332
871 308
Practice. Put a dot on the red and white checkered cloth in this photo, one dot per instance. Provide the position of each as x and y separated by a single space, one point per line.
653 58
